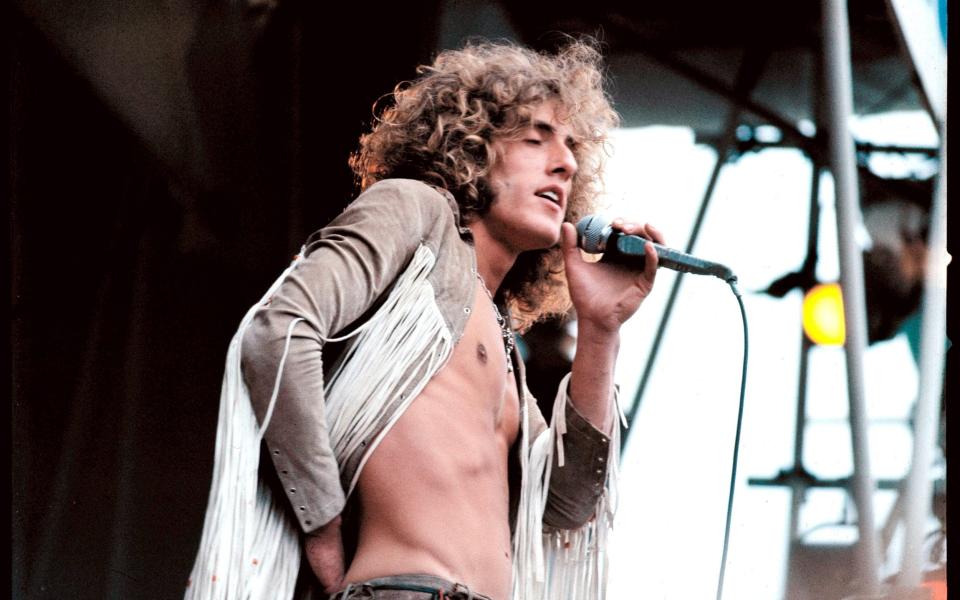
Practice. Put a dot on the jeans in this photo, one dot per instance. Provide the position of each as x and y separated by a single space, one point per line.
407 587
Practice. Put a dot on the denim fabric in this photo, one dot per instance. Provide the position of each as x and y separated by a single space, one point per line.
407 587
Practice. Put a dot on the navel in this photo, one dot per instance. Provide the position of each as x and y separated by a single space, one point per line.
482 353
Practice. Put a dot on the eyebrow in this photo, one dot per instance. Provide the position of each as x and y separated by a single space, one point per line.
548 129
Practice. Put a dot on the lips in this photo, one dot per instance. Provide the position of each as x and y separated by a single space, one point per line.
553 194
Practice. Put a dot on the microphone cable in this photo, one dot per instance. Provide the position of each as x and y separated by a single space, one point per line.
732 281
593 235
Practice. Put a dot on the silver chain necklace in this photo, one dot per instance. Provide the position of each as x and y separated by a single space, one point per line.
508 342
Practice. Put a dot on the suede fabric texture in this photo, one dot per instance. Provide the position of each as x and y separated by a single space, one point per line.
347 269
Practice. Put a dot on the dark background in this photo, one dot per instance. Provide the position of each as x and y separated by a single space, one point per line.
165 164
132 264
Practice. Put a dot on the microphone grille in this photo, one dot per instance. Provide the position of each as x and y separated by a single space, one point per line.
590 233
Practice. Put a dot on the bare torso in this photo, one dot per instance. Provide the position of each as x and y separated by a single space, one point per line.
434 494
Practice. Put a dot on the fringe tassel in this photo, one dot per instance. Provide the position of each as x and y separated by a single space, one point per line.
249 549
392 359
558 564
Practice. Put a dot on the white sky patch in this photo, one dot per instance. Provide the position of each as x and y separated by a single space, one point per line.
676 470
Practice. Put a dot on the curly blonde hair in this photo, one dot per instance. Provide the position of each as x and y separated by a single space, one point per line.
440 129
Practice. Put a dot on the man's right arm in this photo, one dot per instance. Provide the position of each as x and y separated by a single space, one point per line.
348 266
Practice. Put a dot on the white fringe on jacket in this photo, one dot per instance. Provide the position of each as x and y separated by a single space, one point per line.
250 549
560 564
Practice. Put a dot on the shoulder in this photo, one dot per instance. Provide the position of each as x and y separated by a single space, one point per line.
392 211
408 195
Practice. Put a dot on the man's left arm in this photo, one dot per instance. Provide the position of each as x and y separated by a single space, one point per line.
604 296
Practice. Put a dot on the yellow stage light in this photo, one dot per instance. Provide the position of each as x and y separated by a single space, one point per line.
823 315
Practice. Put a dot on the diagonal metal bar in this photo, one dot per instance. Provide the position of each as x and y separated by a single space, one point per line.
918 487
747 77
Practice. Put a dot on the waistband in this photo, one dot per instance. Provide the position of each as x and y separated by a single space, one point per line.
411 586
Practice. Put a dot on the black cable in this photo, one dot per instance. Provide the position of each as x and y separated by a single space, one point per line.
736 443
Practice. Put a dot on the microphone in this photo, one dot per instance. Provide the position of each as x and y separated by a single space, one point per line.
595 235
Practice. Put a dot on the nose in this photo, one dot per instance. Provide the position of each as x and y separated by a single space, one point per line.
562 161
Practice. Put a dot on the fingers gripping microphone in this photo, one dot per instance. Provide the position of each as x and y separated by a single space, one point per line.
595 235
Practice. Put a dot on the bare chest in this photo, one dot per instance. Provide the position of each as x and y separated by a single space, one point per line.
482 364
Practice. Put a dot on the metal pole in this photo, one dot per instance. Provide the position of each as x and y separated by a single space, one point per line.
932 347
840 104
798 487
798 491
800 422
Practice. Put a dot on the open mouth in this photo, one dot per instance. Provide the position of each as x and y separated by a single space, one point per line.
551 196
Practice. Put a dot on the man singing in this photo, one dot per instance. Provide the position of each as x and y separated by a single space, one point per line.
381 368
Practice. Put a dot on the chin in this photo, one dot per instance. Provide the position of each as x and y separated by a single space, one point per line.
545 239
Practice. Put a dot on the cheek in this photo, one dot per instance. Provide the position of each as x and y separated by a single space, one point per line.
501 188
498 181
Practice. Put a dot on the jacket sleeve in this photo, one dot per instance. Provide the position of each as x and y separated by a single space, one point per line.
576 486
347 267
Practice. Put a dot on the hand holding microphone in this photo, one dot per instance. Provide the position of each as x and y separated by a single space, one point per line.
604 297
595 235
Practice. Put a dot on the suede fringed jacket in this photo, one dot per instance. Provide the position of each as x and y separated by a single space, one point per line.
392 280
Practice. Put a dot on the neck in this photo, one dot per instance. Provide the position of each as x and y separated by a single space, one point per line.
494 259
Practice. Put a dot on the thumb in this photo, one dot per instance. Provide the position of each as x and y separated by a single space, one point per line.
568 242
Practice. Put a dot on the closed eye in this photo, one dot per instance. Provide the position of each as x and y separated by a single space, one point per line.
533 141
